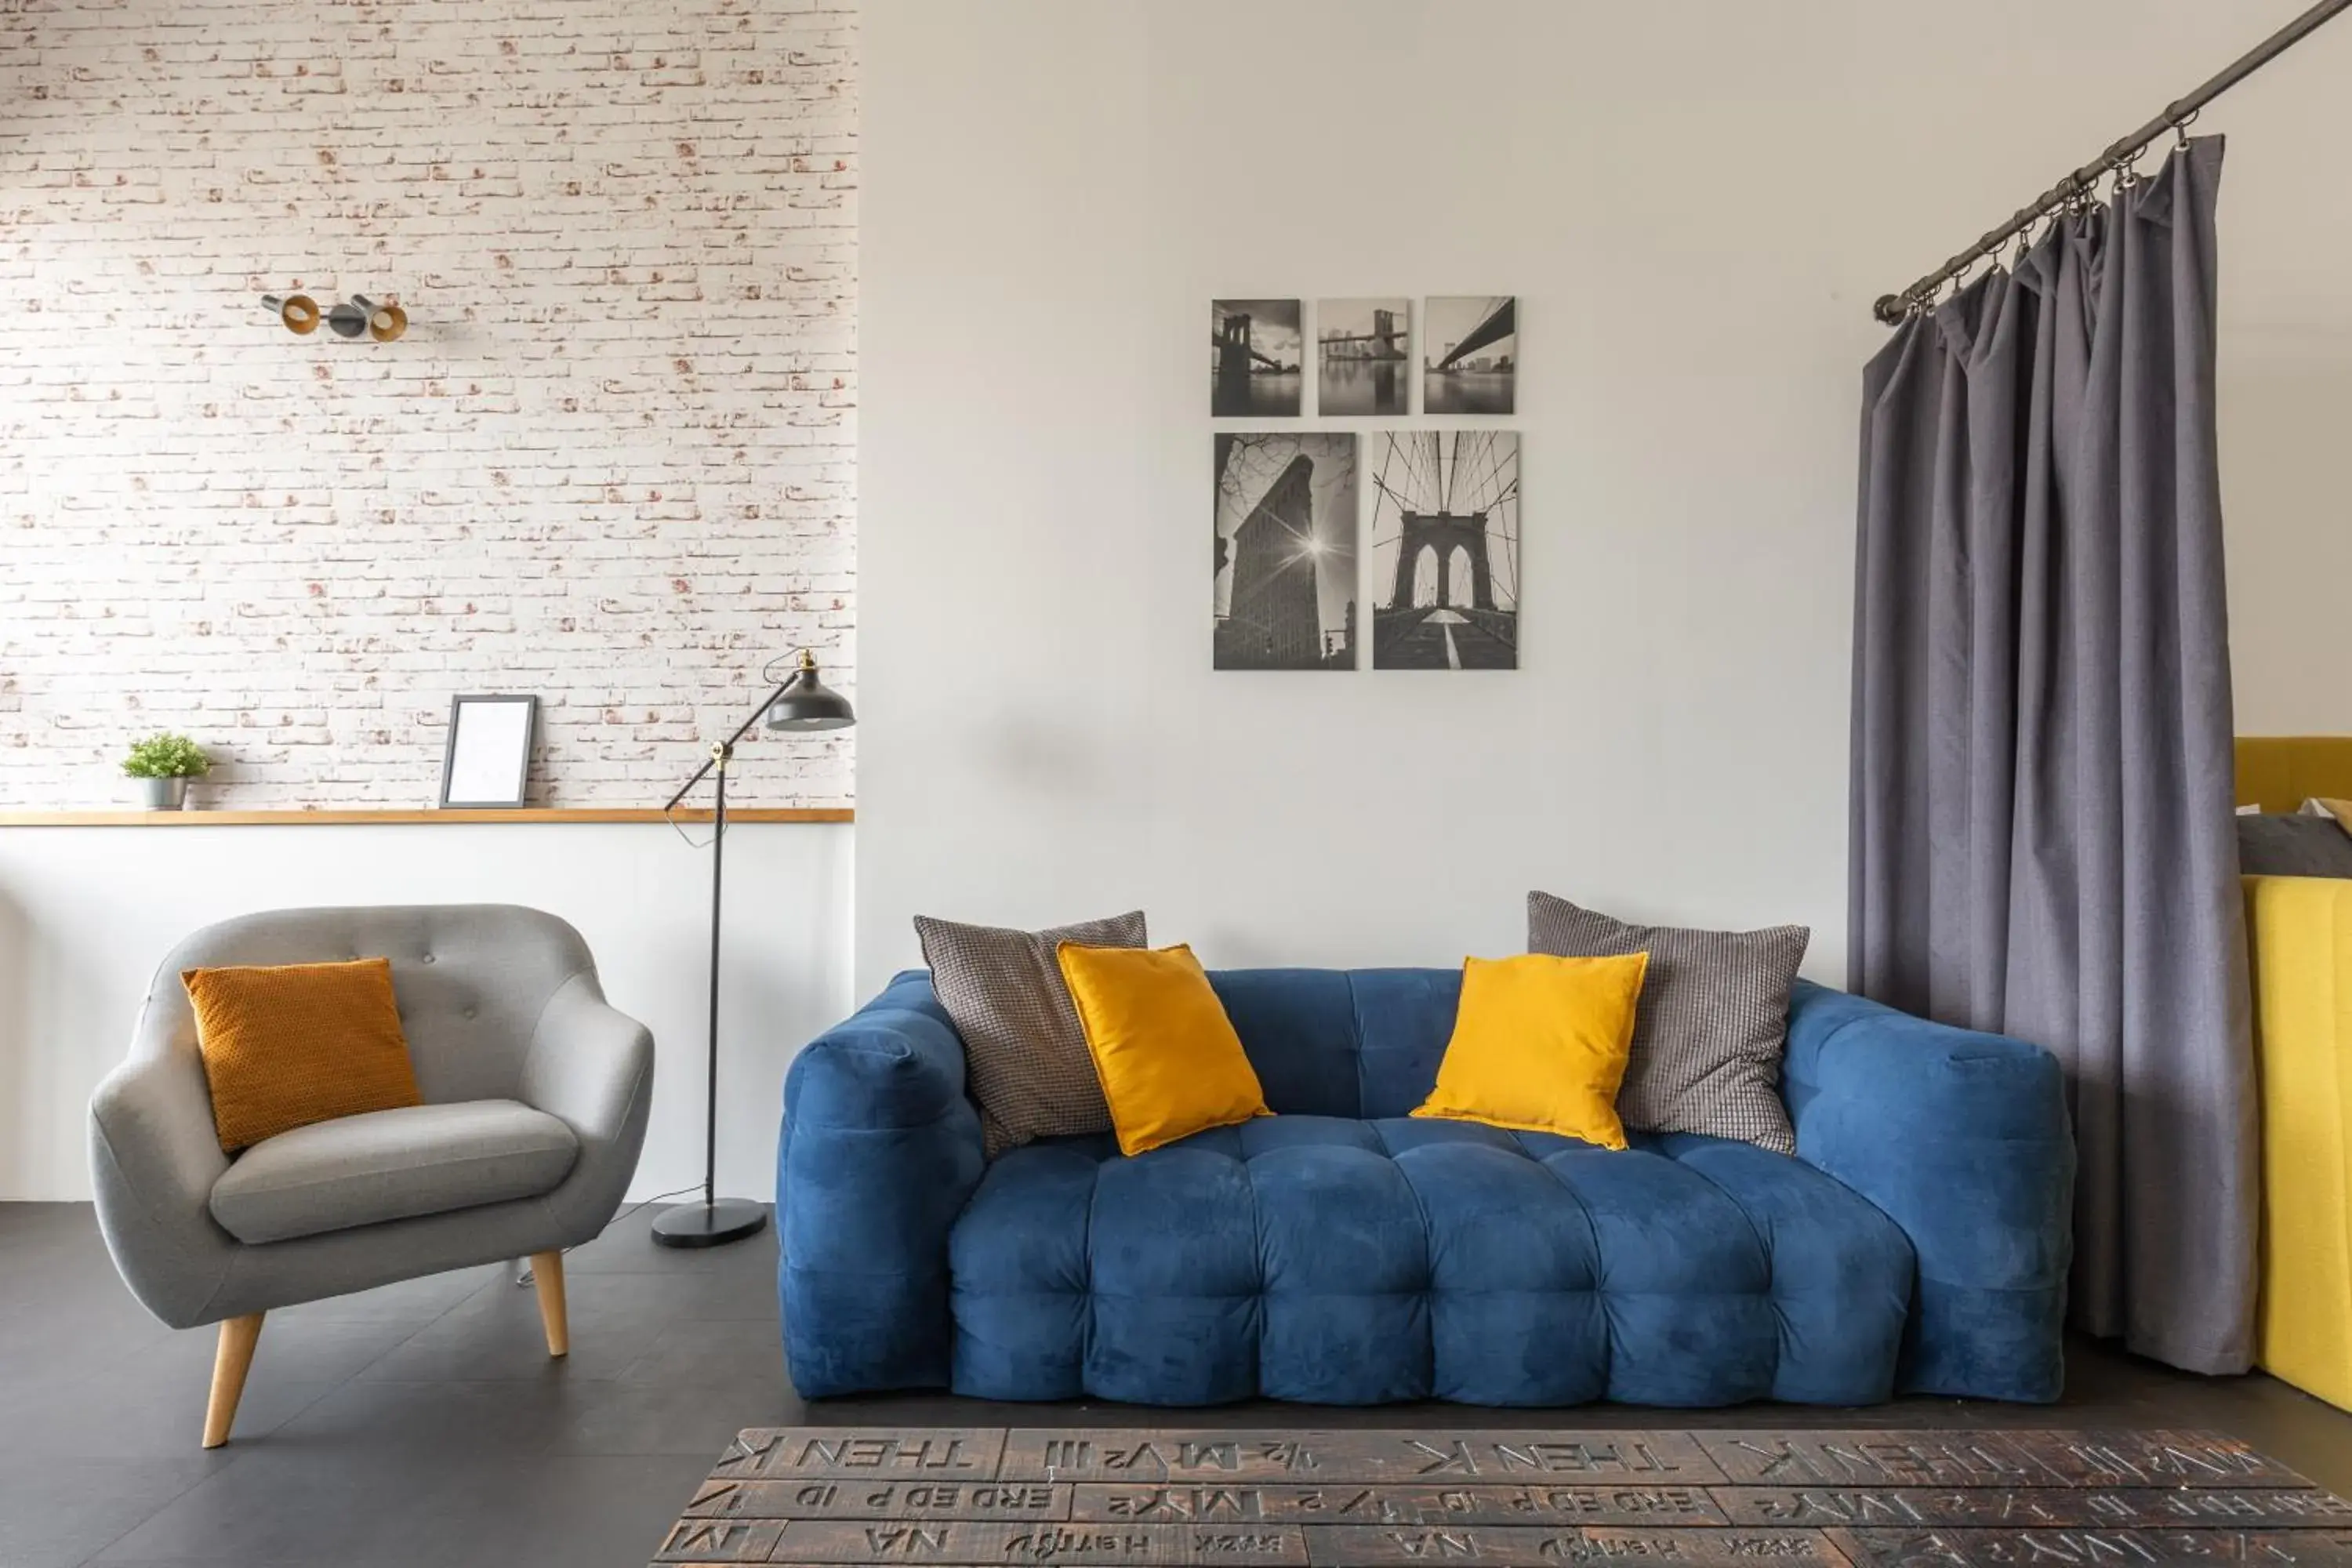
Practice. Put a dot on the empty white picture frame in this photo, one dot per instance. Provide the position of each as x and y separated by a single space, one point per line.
486 763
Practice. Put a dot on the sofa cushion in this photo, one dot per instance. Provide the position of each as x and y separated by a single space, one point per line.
1539 1045
1714 1024
1342 1042
2297 846
1343 1261
1166 1054
391 1164
1025 1052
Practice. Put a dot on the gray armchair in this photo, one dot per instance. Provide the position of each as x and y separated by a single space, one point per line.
535 1091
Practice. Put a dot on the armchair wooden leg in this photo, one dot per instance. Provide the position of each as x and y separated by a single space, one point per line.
232 1358
547 1273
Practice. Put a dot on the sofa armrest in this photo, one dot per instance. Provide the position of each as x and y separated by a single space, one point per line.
880 1152
154 1157
1963 1139
592 1065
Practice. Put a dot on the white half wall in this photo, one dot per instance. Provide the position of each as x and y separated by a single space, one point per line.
1695 205
87 913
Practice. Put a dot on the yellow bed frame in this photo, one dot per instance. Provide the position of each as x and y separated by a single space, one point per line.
2299 937
2279 772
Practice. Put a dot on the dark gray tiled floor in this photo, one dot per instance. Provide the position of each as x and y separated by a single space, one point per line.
423 1426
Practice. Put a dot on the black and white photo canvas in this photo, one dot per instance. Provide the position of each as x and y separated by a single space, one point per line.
1257 359
1446 549
1364 359
1284 596
1470 355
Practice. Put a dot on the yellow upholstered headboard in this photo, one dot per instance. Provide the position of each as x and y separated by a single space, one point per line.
2279 772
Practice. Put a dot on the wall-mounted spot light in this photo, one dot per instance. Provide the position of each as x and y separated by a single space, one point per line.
357 317
299 312
384 322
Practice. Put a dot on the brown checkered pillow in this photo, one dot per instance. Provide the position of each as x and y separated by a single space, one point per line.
1023 1050
1712 1024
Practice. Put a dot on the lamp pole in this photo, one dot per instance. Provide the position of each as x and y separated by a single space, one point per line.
801 703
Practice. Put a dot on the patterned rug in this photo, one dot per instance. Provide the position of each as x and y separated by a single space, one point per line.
963 1497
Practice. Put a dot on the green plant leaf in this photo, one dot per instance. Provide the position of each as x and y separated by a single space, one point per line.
166 756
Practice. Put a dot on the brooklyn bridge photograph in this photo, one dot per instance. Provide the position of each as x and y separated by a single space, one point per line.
1285 595
1446 549
1470 356
1364 366
1257 359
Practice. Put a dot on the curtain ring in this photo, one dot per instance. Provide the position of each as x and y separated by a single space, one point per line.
2180 128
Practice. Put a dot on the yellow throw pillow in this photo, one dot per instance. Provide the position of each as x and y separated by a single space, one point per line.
1539 1045
1169 1062
292 1044
2341 810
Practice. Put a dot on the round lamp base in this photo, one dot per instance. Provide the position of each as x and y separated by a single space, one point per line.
709 1225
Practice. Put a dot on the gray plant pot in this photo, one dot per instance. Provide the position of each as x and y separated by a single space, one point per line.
163 794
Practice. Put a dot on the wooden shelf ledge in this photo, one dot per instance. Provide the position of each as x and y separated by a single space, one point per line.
573 816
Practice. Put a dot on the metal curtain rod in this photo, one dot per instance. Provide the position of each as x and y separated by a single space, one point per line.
1892 308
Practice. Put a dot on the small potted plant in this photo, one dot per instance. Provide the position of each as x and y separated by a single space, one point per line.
163 765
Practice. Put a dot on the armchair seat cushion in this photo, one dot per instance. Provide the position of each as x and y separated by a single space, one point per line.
391 1164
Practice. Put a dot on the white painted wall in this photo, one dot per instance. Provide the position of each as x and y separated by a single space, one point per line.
86 914
1695 204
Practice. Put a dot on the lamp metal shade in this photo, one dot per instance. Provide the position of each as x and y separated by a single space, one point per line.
807 704
298 312
346 320
384 322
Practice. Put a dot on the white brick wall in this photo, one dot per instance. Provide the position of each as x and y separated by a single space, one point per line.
611 462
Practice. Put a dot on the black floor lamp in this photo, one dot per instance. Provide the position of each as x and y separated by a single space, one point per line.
801 704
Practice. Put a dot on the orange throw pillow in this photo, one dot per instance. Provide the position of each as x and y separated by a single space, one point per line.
1169 1062
292 1044
1540 1045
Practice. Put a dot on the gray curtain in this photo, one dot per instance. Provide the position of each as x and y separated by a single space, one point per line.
2042 843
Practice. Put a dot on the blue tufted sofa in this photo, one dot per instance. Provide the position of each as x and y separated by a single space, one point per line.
1342 1253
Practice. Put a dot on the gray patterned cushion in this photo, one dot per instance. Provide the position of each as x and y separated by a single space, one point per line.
1713 1025
1023 1050
2275 845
